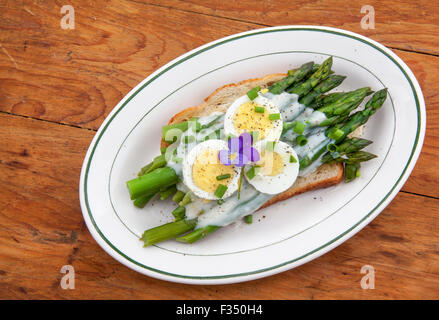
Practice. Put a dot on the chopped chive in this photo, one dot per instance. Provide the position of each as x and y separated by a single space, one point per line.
292 159
220 191
274 116
259 109
269 146
220 201
248 219
253 93
336 134
223 176
299 127
332 147
288 125
301 140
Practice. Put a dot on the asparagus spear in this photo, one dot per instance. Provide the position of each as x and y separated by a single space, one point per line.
152 182
347 147
326 99
352 171
197 234
179 213
158 162
294 77
341 131
166 193
345 103
178 196
167 231
322 73
326 85
141 201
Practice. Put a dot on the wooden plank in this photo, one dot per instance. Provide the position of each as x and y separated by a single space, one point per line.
77 76
425 177
42 229
408 25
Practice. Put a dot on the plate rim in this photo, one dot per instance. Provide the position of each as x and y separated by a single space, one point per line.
316 252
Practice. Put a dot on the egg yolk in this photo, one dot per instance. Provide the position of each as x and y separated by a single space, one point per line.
247 119
271 163
206 168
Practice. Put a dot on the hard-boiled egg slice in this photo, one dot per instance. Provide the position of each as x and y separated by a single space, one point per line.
201 167
276 170
258 115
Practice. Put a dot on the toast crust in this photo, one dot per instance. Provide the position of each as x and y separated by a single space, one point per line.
325 176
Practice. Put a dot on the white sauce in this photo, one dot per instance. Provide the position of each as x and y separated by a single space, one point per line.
233 209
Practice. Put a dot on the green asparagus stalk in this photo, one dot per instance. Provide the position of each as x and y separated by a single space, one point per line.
326 99
326 85
178 196
152 182
141 201
346 103
357 119
352 171
167 231
197 234
322 73
186 199
179 213
166 193
356 157
292 78
158 162
348 146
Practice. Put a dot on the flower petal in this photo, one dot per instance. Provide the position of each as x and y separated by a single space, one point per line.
246 140
254 155
224 157
241 160
234 144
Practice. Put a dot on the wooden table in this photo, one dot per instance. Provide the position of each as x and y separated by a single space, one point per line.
57 86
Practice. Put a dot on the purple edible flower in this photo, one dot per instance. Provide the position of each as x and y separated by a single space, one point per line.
241 148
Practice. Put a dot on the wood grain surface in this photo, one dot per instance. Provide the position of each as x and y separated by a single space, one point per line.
57 86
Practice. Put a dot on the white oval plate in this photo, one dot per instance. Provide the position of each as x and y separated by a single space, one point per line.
286 234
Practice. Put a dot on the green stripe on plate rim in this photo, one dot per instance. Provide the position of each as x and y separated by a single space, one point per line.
209 48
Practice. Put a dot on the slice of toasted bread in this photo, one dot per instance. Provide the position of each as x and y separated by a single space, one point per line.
326 175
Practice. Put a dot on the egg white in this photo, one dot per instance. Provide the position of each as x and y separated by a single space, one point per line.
229 128
282 181
189 160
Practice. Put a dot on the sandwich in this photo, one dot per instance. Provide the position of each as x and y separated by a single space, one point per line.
252 144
